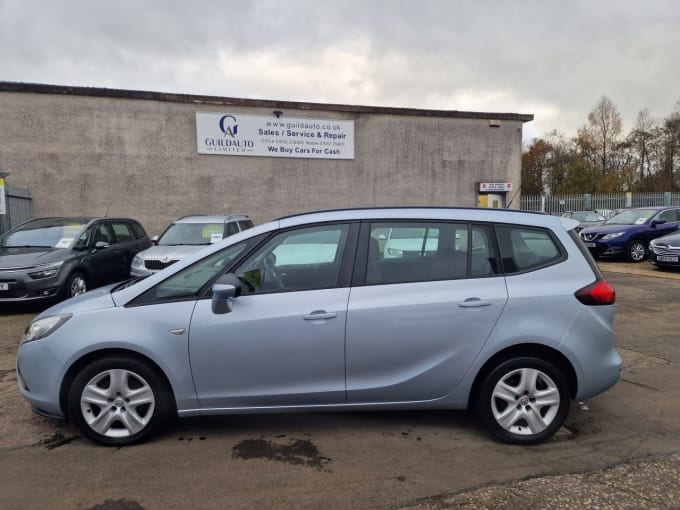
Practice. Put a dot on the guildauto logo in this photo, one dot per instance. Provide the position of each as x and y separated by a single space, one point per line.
228 125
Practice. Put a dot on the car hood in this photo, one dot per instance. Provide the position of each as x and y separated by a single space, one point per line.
670 239
171 252
29 257
92 300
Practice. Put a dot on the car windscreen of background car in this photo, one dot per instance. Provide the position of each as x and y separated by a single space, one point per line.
192 234
631 217
48 233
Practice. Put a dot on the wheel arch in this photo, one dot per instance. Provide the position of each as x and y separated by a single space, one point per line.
73 370
527 349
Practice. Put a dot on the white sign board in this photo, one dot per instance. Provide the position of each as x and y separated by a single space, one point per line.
3 208
235 134
491 187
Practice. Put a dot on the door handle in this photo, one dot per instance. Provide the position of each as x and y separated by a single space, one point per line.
474 302
320 315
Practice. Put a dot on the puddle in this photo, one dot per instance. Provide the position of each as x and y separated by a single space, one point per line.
56 440
118 504
296 451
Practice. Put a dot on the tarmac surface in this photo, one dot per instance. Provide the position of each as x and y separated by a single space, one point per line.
618 450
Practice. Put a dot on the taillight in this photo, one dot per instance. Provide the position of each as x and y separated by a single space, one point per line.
598 293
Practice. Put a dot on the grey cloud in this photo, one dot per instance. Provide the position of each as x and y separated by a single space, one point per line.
559 57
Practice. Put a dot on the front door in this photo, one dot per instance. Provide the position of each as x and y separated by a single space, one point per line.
283 343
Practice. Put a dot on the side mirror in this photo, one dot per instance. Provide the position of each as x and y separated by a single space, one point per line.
658 222
100 245
154 239
225 287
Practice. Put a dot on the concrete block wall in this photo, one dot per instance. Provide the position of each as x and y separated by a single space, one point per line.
137 157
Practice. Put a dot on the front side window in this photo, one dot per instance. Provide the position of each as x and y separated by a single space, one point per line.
671 216
102 234
302 259
412 252
232 228
188 283
526 248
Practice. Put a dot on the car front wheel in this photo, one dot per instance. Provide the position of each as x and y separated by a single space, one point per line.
76 285
118 401
523 400
636 251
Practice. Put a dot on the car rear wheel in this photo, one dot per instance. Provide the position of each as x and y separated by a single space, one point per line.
118 401
523 400
636 251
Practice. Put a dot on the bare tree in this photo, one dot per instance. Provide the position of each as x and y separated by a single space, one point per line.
604 127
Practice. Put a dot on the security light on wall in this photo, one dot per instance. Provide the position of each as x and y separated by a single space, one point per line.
278 113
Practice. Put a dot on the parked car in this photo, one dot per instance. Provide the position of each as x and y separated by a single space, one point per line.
584 218
629 232
184 236
665 251
514 323
50 258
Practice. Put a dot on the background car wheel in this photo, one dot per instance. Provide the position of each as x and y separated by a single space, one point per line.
76 285
636 251
523 400
119 401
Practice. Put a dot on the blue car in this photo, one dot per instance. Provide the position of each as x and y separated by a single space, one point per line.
630 232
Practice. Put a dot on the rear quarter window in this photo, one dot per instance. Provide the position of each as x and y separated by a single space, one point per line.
527 248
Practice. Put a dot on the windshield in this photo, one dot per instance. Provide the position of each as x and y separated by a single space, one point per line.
45 233
586 216
193 234
632 217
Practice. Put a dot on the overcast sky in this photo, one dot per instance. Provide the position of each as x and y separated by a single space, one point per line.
553 59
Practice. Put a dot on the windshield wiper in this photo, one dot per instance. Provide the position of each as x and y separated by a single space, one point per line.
25 246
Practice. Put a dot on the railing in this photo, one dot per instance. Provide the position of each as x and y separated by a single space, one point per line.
604 202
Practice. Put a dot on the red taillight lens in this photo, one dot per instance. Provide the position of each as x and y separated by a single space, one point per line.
598 293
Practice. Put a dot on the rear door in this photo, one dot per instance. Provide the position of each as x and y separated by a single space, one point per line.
418 317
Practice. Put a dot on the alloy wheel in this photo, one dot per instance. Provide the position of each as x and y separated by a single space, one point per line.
117 403
525 401
78 286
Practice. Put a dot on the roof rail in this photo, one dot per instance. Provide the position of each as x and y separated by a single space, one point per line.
403 207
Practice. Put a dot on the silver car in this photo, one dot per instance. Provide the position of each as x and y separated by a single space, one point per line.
186 235
503 312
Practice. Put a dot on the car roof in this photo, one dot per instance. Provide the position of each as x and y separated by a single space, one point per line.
211 218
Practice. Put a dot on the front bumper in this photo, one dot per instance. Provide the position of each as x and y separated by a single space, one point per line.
39 378
21 287
665 259
605 248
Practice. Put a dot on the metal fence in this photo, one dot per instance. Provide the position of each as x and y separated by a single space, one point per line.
604 202
18 205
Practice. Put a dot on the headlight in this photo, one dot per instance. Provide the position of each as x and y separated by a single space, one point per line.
44 327
137 260
45 270
612 236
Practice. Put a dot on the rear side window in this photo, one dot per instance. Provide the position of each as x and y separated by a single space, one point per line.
526 248
416 252
138 230
123 232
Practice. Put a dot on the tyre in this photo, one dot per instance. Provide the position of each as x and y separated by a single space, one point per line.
523 400
75 285
636 251
119 401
